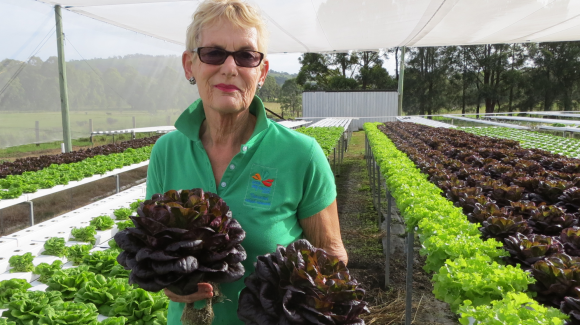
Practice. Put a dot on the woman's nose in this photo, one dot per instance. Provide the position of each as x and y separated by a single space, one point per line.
229 65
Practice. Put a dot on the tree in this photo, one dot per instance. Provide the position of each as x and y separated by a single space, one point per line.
490 61
270 89
396 52
14 96
344 71
291 97
560 62
345 62
513 77
425 79
314 73
371 74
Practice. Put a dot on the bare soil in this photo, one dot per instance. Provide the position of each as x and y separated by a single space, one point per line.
363 240
16 155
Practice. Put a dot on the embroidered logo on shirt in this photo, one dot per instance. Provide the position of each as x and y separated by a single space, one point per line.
260 191
266 183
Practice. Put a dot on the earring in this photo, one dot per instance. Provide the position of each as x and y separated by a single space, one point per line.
259 86
192 80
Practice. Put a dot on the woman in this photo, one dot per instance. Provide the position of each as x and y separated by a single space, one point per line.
277 182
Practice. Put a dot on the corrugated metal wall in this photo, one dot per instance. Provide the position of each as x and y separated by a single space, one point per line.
367 106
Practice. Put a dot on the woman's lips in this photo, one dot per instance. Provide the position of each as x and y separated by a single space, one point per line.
227 88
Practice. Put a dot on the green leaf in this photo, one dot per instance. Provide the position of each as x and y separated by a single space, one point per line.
8 288
21 263
101 262
69 281
514 308
46 270
122 213
55 246
102 222
327 137
76 253
69 313
477 279
25 307
85 234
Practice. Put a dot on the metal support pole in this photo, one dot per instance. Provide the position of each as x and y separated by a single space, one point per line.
334 159
342 149
366 148
372 178
339 161
118 183
401 78
91 128
388 252
62 82
379 209
31 213
409 293
37 131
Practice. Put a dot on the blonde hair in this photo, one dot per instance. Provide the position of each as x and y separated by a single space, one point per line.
237 12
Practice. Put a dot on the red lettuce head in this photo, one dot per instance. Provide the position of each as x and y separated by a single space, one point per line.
182 238
301 284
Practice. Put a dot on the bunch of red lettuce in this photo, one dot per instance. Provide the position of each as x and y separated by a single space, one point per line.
556 277
570 238
301 284
571 307
527 250
182 238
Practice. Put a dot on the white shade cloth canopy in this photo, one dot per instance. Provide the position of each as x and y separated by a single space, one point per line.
298 26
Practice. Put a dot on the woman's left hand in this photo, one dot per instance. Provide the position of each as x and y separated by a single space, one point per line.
204 291
323 230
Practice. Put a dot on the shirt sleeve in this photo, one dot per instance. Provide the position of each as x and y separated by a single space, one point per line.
154 184
319 189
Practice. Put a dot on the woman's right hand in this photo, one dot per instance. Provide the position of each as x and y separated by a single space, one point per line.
204 291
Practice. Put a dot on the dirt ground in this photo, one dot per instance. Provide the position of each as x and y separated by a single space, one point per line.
363 240
16 155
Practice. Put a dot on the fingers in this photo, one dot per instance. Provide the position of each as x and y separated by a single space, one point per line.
204 291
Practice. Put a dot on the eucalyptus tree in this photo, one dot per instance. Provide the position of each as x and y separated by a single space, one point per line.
291 97
270 89
560 64
426 84
490 63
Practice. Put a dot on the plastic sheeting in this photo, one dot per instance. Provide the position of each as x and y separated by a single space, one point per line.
341 25
117 79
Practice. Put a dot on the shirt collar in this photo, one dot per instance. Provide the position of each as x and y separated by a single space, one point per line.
189 122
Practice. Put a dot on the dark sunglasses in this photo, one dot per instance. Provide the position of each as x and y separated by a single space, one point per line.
217 56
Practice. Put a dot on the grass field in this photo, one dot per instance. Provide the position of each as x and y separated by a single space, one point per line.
54 147
274 107
19 128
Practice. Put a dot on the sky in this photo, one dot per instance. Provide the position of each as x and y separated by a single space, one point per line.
30 25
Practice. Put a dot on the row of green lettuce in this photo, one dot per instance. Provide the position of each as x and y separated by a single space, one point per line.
13 186
469 274
569 147
327 137
78 295
99 285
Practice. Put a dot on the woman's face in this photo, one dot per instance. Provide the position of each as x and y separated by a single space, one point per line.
226 88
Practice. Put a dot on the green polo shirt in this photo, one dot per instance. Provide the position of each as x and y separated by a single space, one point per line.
278 177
